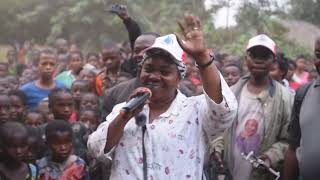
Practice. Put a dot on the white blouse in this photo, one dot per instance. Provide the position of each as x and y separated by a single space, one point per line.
176 143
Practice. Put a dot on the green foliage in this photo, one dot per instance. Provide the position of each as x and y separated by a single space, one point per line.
89 23
307 10
255 18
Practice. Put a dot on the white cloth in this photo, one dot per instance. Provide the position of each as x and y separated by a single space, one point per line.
176 142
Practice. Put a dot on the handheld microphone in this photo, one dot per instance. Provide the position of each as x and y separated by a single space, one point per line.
141 119
135 102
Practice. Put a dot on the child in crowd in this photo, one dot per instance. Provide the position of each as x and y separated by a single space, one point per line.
63 60
3 70
43 107
89 101
90 118
231 73
41 88
14 147
4 85
61 104
279 71
78 89
98 166
4 108
37 148
93 59
61 163
292 66
88 123
300 74
89 75
18 101
34 118
230 59
13 82
80 137
75 66
28 75
313 74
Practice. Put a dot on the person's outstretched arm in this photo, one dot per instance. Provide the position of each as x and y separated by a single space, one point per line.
221 107
194 44
132 26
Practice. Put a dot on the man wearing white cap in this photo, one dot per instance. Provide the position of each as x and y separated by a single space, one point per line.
173 141
262 119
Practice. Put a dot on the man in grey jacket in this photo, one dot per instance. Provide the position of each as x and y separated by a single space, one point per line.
262 118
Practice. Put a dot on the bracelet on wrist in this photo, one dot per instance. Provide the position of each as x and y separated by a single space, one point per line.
202 66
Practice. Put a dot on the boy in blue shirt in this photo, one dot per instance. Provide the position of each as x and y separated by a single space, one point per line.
41 88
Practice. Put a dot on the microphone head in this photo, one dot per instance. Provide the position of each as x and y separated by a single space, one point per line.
147 90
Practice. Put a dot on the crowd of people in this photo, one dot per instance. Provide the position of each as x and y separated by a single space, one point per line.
61 113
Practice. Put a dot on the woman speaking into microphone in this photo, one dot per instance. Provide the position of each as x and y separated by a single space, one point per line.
173 144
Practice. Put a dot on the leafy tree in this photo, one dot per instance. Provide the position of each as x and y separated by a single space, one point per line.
89 23
256 17
307 10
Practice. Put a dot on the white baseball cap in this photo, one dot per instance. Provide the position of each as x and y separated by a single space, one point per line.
168 43
262 40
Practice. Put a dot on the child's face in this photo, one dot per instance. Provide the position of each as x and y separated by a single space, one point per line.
301 64
47 65
94 61
275 72
3 70
63 106
44 108
88 118
75 63
231 75
27 76
13 82
89 101
4 108
61 145
87 75
291 70
17 108
31 153
78 89
34 119
4 86
18 147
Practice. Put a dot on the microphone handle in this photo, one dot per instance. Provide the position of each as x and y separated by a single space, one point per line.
135 102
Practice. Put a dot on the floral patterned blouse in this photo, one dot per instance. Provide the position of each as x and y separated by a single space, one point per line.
176 143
